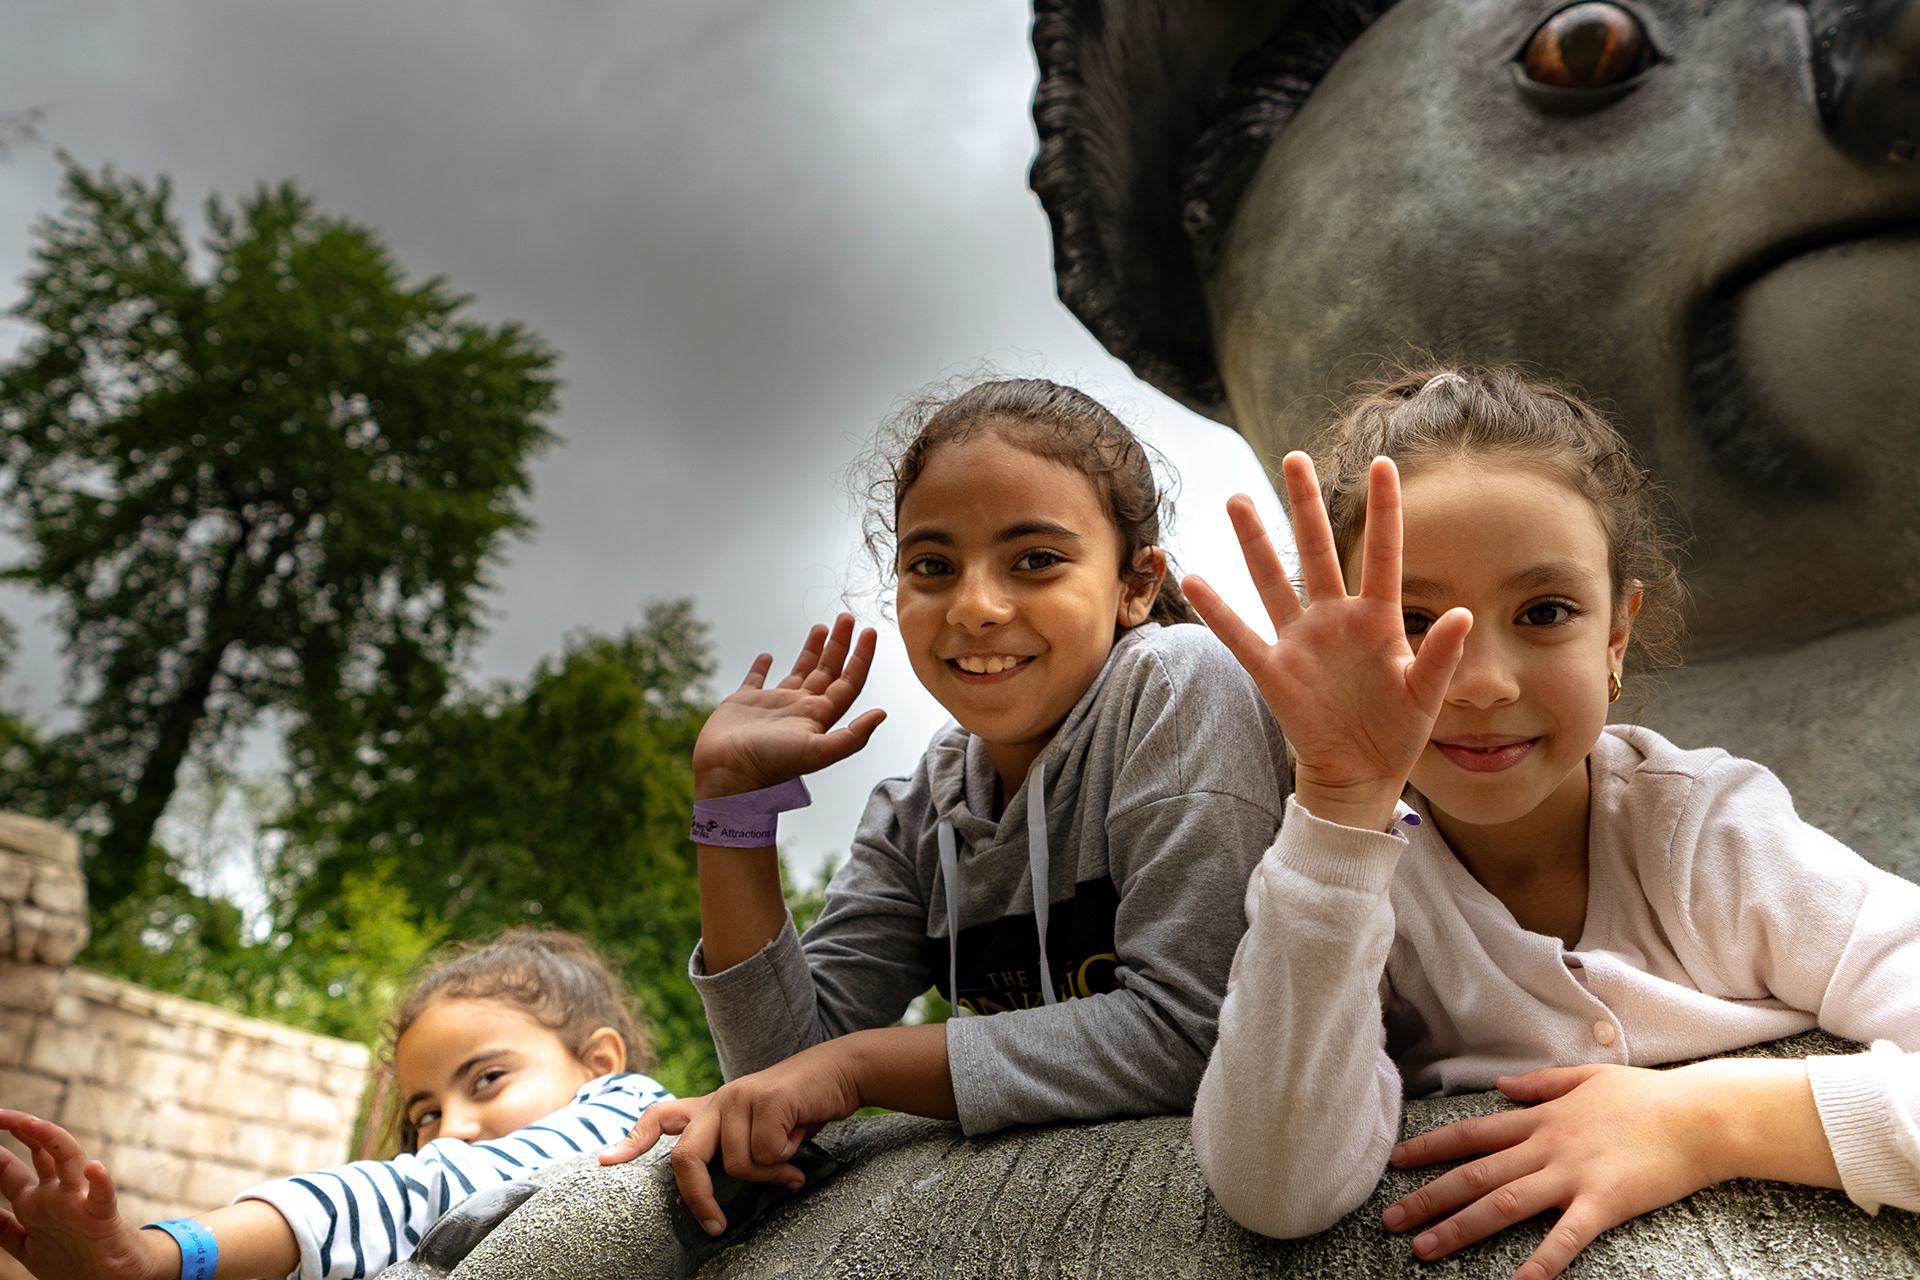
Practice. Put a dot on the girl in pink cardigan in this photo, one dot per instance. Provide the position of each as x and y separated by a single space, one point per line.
1480 884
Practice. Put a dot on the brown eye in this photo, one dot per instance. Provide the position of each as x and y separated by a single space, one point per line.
1587 46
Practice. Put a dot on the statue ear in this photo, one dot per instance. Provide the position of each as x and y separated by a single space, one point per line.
1123 95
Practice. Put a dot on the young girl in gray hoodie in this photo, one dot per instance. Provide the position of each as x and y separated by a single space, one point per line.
1069 857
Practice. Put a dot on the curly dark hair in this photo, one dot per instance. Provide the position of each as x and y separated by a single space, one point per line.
1047 419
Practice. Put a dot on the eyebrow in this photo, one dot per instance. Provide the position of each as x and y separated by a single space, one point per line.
1012 533
1547 574
459 1074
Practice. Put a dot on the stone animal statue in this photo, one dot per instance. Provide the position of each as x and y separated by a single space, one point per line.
1117 1199
1703 213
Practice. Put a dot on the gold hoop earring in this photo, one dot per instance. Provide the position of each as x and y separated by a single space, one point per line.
1613 686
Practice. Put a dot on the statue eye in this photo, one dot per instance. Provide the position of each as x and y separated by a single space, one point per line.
1588 46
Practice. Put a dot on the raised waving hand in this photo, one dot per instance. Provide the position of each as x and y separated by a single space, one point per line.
762 735
1355 700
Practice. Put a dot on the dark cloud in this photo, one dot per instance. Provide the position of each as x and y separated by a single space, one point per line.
748 229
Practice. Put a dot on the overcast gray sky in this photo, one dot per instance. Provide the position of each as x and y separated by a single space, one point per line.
747 228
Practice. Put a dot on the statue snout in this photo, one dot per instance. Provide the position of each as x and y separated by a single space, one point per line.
1866 76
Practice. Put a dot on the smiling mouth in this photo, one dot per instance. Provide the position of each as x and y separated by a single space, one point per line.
989 668
1487 755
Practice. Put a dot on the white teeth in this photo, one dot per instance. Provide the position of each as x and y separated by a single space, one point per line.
986 666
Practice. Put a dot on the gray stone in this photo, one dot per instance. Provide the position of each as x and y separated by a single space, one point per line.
1715 248
1126 1199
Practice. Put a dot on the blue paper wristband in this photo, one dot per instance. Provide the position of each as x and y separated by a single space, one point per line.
199 1251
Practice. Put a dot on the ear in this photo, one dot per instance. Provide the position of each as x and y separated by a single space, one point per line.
1623 627
1124 95
1139 585
605 1052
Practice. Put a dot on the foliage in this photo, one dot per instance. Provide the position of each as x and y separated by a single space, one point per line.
274 486
341 978
564 799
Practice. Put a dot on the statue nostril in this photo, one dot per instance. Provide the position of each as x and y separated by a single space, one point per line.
1866 73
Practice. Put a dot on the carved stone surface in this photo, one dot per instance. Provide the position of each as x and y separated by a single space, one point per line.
1126 1199
1255 201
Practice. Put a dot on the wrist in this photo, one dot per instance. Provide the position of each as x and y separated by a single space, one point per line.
1362 812
1755 1118
162 1253
159 1255
717 784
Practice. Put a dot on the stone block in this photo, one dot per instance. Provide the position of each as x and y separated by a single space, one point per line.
147 1170
78 1053
62 893
62 939
211 1183
37 841
158 1073
264 1147
288 1064
148 1207
16 1030
28 986
317 1112
106 1107
29 923
16 876
306 1151
32 1091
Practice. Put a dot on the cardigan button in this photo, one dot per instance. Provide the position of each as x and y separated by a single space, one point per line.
1603 1032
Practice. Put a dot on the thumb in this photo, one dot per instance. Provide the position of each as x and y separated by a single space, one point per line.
1439 657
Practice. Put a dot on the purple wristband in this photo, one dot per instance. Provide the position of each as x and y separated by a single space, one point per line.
748 820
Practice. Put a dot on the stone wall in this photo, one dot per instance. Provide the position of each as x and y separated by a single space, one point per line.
185 1103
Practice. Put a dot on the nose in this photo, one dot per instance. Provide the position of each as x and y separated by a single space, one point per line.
460 1120
1866 76
979 601
1487 676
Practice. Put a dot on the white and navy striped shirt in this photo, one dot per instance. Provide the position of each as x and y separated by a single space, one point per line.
356 1220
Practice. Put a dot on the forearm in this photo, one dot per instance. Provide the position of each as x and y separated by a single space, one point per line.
903 1069
741 905
254 1242
1300 1103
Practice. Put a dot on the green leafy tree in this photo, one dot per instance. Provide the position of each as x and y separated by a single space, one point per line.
274 485
563 799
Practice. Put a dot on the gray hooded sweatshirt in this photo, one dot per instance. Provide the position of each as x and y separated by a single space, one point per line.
1160 791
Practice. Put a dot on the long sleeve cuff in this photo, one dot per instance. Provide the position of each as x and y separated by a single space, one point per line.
1331 854
752 1007
1870 1123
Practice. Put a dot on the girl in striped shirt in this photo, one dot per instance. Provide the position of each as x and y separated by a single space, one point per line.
508 1056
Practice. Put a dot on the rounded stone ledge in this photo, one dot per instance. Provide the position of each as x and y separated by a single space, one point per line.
1125 1198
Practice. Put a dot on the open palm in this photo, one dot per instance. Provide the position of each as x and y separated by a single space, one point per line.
761 736
1356 702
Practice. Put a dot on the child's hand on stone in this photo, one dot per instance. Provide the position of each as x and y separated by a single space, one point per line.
756 1123
760 736
1603 1144
65 1223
